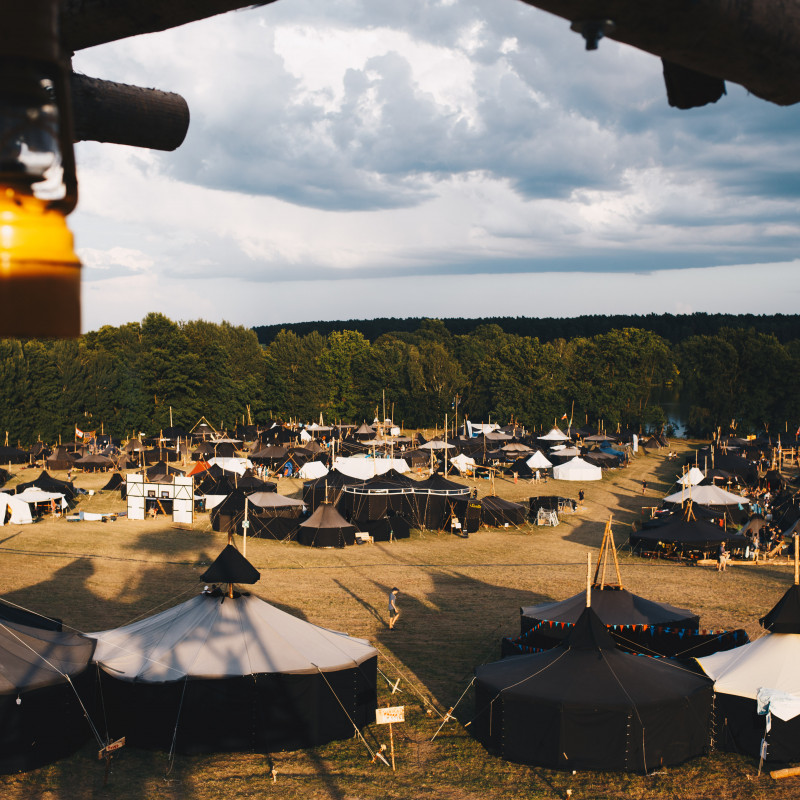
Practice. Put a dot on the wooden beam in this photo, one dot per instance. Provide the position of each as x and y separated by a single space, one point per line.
87 23
755 43
104 111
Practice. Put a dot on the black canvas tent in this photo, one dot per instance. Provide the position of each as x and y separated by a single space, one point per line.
45 677
498 512
326 527
328 488
225 673
587 705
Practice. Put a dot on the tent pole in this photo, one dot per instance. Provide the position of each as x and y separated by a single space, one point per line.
588 580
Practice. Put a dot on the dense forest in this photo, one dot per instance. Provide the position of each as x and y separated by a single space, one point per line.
672 327
130 378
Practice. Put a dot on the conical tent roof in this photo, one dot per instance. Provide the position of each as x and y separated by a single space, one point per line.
215 637
785 615
707 496
692 477
555 435
614 606
230 566
326 527
538 461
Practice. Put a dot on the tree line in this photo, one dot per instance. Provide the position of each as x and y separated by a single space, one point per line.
139 377
673 327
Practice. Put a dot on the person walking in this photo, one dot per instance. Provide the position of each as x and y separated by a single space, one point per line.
644 486
394 611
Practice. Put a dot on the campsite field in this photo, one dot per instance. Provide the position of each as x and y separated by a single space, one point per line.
458 597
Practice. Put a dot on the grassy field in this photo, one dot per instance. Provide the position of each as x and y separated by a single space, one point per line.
458 598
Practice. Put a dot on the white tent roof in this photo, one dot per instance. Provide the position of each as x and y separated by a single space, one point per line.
311 470
692 477
20 510
577 470
436 444
538 461
237 465
555 435
363 468
462 463
272 500
707 496
35 495
216 637
771 662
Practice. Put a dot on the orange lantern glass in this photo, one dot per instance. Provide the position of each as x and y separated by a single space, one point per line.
39 271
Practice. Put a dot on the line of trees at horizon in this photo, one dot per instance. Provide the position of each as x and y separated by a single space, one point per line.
136 377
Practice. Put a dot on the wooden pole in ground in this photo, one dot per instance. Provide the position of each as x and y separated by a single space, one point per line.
588 580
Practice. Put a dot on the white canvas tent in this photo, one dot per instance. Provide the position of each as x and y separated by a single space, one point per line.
312 470
538 461
20 510
555 435
692 477
463 463
577 470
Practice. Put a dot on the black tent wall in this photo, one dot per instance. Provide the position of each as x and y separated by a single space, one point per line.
262 712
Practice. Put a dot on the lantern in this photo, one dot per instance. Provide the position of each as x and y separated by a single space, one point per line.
39 271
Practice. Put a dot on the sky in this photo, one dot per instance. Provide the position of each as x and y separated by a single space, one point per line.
439 158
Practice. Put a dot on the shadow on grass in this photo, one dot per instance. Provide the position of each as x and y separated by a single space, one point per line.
442 636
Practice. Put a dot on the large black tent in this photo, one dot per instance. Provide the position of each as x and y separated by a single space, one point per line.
328 489
47 483
45 674
439 501
498 512
226 671
587 705
326 527
272 515
686 538
376 498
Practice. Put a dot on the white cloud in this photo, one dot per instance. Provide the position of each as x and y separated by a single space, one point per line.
341 141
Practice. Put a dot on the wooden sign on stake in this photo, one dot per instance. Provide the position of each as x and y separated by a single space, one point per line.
389 716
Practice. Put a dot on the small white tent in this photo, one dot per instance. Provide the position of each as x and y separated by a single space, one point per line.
692 477
538 461
577 470
555 435
20 510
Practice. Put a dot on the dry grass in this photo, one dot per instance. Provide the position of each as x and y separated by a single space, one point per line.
458 597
